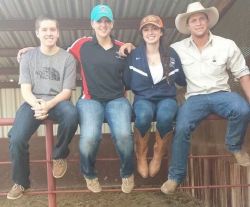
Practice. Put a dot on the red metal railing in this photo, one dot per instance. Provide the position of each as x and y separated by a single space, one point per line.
51 184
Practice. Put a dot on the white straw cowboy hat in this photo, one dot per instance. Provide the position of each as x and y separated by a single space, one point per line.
196 7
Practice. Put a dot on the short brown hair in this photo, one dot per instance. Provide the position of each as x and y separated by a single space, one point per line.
45 17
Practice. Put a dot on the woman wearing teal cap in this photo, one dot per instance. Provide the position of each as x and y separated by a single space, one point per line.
103 99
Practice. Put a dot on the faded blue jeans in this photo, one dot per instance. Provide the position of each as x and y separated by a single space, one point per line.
164 112
25 124
117 113
228 105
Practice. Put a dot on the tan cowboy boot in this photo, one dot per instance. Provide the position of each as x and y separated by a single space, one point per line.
160 149
141 150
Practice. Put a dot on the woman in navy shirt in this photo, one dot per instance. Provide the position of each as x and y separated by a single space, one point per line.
152 72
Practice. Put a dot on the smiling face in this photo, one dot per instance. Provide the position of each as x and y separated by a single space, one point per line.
198 25
102 27
48 33
151 34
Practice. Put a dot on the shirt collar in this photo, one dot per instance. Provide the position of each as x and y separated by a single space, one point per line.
190 41
95 41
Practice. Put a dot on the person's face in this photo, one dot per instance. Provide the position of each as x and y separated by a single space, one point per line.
48 33
103 27
151 34
198 25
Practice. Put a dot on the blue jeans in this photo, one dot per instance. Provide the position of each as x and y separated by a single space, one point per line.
228 105
164 112
92 113
25 124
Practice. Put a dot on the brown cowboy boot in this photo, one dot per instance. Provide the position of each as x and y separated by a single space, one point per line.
160 149
141 150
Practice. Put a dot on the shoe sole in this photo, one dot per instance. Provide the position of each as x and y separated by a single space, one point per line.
166 192
124 191
94 191
14 198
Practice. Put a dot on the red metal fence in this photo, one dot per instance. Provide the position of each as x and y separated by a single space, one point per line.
51 184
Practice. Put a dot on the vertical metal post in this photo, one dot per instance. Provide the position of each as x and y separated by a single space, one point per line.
49 150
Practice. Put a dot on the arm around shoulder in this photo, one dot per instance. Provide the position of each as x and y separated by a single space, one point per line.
176 70
245 84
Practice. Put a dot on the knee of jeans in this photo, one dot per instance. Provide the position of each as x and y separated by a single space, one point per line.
241 113
71 114
70 118
165 121
143 120
244 112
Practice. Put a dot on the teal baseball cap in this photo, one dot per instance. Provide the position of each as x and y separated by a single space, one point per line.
100 11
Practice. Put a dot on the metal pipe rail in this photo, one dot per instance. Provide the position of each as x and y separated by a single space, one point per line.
51 184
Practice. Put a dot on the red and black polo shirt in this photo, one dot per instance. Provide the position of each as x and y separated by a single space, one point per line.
101 70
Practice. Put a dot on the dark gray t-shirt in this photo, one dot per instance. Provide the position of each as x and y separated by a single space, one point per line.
48 75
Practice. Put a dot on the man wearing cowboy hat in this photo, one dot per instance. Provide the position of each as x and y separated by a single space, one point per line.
205 60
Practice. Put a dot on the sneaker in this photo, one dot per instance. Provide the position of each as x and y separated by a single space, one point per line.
15 192
59 168
128 184
93 185
169 187
242 158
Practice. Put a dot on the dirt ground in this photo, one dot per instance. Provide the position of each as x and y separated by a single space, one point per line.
108 199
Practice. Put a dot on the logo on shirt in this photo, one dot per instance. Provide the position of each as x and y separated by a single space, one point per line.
48 73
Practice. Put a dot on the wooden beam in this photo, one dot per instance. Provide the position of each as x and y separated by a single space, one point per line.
75 24
9 71
223 6
9 85
16 85
8 52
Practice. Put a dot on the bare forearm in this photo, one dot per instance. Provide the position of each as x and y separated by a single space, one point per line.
28 96
64 95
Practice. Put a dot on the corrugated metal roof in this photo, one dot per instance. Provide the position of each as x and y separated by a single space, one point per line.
30 9
80 9
77 9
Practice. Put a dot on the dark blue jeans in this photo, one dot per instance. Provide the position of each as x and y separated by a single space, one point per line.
25 124
164 110
228 105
